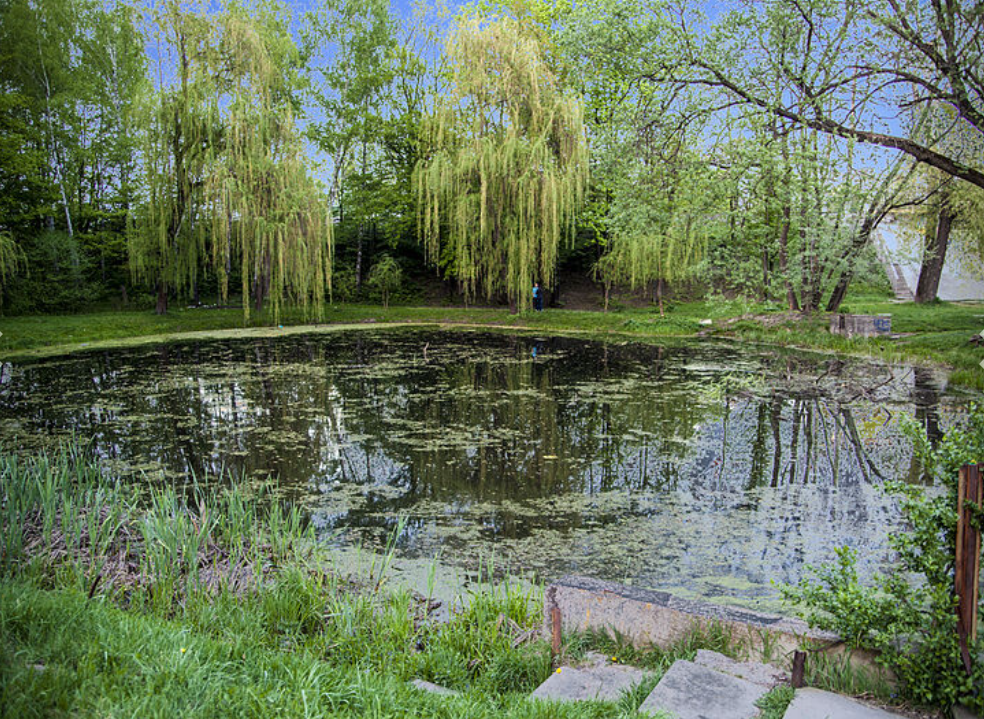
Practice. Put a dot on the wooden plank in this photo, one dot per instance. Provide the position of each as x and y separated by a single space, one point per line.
970 488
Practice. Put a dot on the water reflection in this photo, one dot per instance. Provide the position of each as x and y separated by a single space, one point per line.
703 468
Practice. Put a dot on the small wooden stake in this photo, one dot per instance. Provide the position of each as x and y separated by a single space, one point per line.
799 667
555 625
970 488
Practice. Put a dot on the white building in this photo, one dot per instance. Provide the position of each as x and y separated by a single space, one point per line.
898 244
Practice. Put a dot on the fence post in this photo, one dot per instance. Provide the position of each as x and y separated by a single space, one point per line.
970 488
556 627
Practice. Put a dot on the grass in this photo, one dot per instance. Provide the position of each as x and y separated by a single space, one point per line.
715 636
775 703
66 655
216 601
835 673
936 333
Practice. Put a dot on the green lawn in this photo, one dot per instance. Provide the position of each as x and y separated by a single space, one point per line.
938 333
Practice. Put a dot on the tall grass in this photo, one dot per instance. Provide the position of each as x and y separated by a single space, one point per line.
64 655
237 579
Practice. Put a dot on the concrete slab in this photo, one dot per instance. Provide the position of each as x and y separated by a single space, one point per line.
690 691
433 688
765 675
605 683
818 704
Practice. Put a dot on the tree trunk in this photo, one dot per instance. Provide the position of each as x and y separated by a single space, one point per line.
358 262
764 295
791 302
262 286
787 210
860 242
934 255
806 278
161 297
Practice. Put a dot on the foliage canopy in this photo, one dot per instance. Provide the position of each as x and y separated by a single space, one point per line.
505 165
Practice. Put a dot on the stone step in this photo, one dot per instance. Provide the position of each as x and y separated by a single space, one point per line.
818 704
691 691
599 680
432 688
764 675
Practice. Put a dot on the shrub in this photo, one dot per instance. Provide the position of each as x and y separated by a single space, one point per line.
909 614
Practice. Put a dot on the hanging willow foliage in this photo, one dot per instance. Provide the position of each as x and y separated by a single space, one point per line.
657 234
227 174
11 259
506 163
263 199
165 244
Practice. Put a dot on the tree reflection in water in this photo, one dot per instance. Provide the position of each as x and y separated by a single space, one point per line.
701 467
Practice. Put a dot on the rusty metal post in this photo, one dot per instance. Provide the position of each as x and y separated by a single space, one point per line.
555 625
970 489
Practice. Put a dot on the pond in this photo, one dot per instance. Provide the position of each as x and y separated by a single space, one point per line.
709 469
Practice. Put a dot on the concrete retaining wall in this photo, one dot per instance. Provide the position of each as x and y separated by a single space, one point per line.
647 618
860 325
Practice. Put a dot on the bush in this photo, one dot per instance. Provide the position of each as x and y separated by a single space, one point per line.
909 615
385 277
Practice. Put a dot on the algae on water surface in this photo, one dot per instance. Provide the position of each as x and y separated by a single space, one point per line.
702 467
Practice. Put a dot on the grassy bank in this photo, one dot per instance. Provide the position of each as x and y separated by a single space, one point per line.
218 602
931 334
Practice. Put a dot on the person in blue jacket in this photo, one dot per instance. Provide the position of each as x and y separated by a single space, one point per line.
537 297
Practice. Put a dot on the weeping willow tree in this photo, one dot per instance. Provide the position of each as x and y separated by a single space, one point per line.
264 203
660 223
505 164
227 178
166 240
11 259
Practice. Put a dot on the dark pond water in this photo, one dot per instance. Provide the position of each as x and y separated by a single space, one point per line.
707 469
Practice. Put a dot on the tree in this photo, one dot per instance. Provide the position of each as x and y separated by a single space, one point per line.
661 217
801 202
864 64
166 244
11 260
350 52
386 277
71 74
226 169
260 190
944 212
504 166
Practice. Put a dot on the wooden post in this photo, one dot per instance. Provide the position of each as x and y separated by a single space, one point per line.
970 488
799 668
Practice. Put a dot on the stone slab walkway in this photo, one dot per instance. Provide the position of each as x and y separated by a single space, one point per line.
692 691
766 675
606 683
818 704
